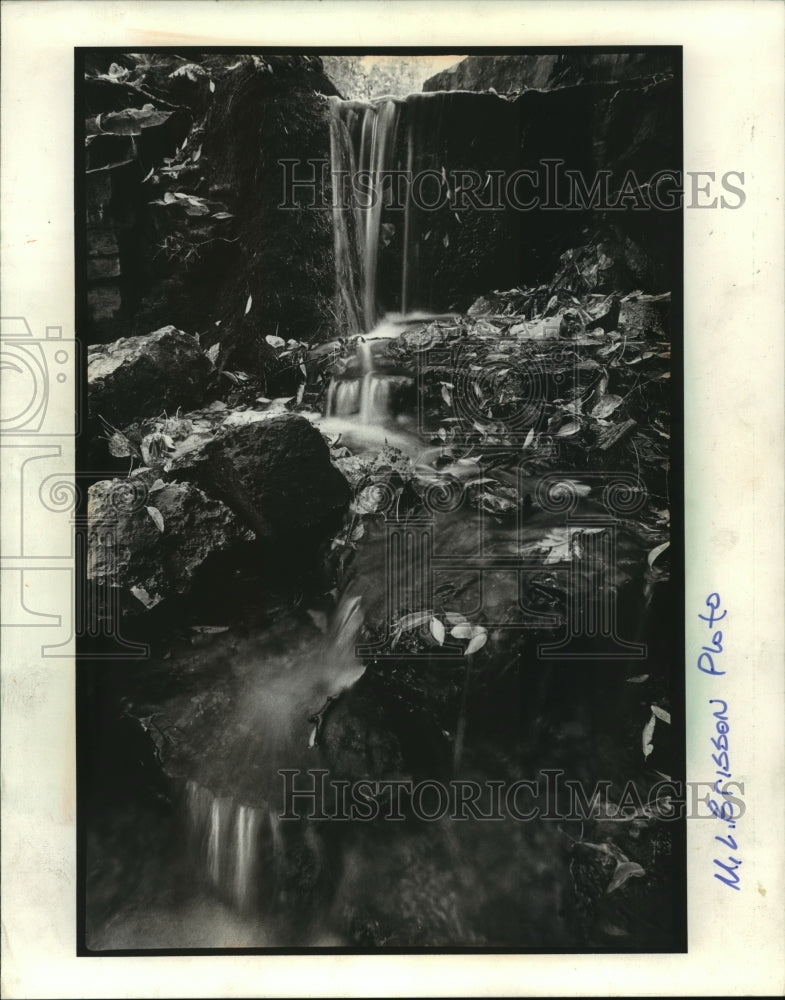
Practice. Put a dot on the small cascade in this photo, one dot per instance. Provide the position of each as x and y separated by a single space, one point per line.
238 848
378 394
228 837
362 142
366 388
343 397
393 188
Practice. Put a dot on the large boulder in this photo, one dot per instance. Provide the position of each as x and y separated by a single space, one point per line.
151 542
143 376
272 468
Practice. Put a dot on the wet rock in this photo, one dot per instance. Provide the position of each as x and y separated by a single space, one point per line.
151 543
273 468
506 74
646 315
356 739
610 264
143 376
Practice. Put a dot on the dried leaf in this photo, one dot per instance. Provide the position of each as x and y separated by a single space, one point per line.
368 501
655 552
476 643
143 597
414 620
273 341
638 679
624 870
661 714
648 731
121 447
248 304
606 406
157 517
568 429
437 631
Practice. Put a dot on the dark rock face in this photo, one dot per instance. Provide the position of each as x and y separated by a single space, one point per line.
547 72
287 263
143 376
171 266
155 555
274 469
623 134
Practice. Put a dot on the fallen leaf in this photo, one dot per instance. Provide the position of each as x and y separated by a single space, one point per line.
624 870
655 552
209 629
639 679
648 731
273 341
661 714
248 304
606 406
143 597
414 620
477 642
157 517
437 631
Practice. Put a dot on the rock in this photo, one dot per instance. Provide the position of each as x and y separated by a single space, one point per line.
646 315
571 324
505 74
273 469
143 376
357 741
162 537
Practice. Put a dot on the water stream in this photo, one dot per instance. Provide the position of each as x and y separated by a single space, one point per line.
238 848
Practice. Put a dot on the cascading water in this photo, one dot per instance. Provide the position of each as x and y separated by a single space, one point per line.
231 810
400 167
383 223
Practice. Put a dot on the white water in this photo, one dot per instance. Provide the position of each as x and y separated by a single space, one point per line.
378 137
237 843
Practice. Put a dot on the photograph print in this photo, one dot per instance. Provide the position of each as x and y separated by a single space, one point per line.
381 630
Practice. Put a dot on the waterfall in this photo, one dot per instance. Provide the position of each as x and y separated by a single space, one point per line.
229 838
396 197
368 140
362 142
